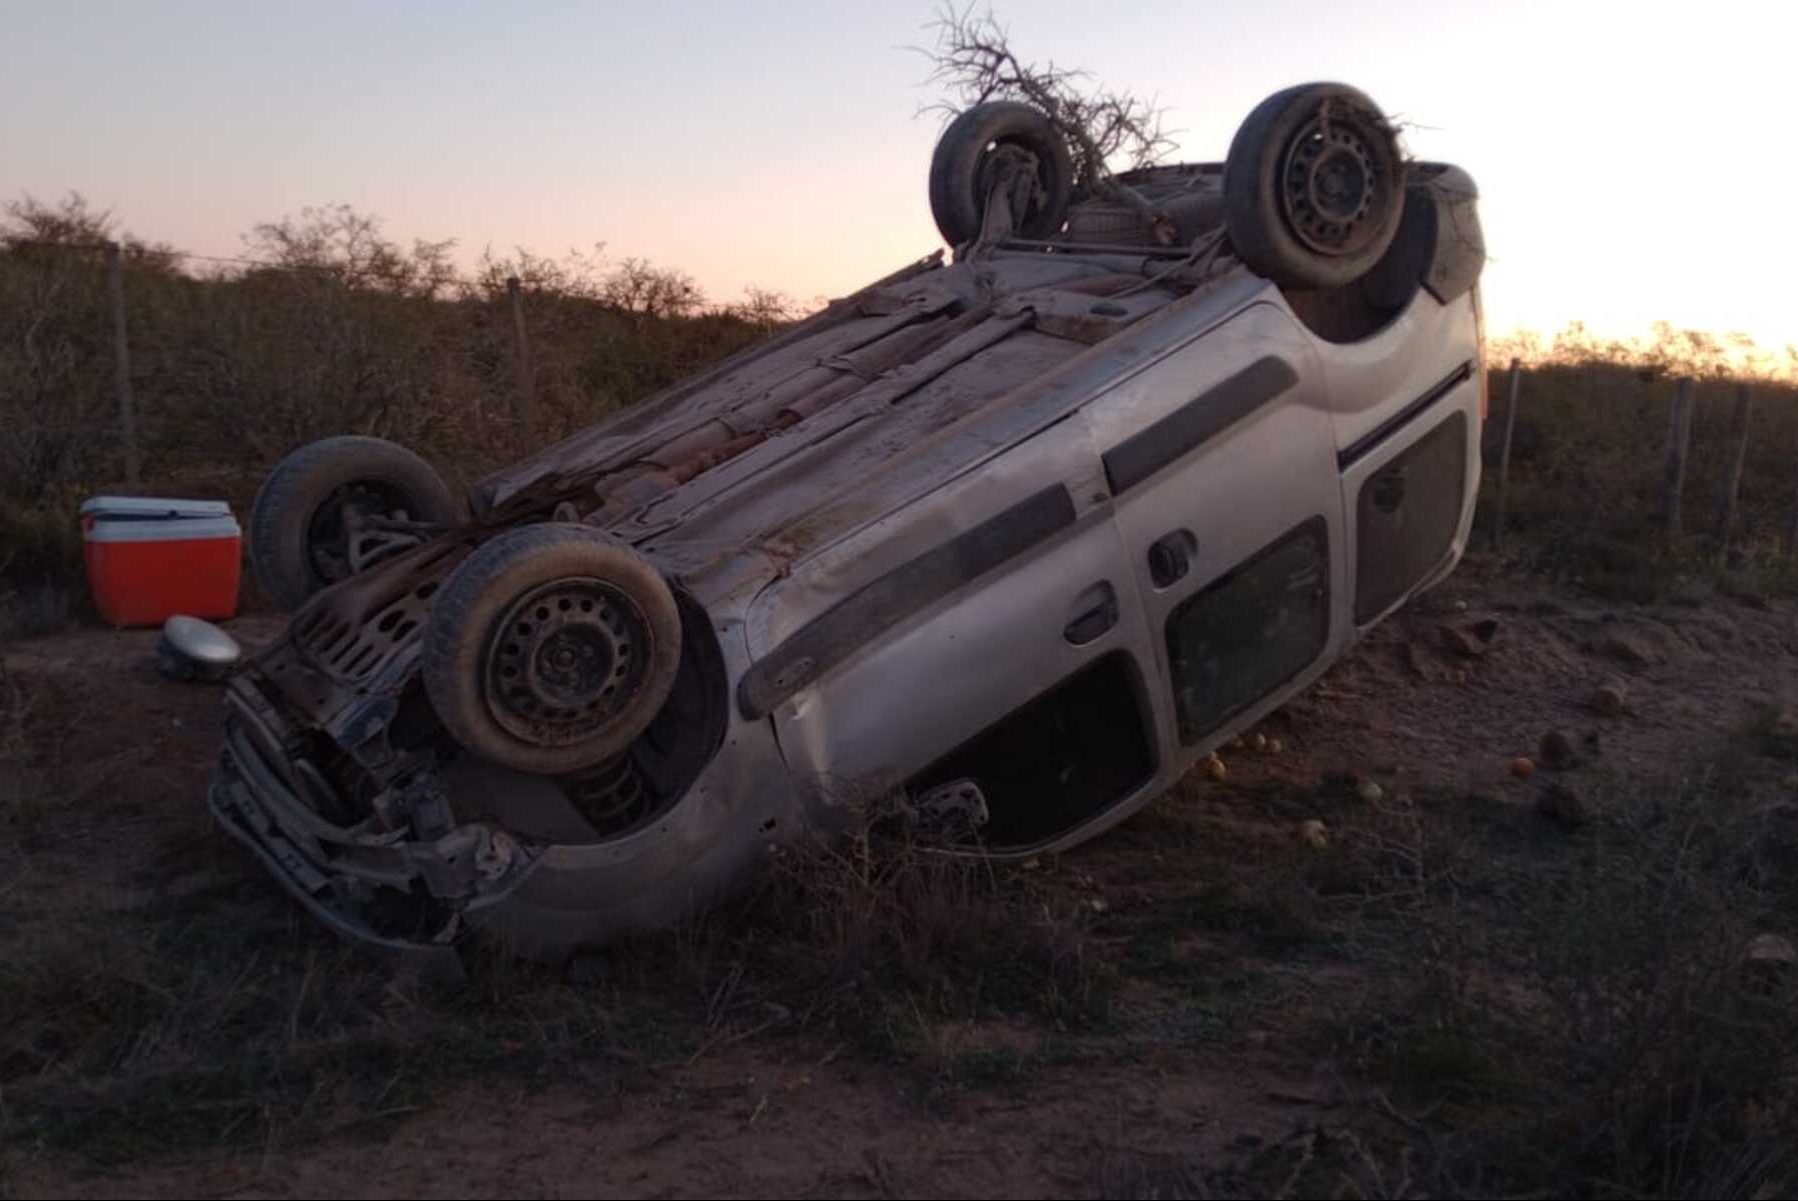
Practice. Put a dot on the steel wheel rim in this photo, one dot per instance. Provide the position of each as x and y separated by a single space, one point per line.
1328 185
565 661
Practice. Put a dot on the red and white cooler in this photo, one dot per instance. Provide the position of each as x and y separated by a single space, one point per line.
150 558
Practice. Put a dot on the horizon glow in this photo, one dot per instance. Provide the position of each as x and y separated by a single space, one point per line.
1630 156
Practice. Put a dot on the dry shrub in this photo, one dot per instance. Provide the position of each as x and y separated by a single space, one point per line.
881 917
345 332
974 61
1589 458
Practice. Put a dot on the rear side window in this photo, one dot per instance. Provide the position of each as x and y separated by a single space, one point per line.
1251 631
1406 515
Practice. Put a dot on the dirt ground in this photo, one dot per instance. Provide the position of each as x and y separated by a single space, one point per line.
1203 1063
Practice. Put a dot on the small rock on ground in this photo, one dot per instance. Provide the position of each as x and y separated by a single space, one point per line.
1470 638
1314 833
1628 648
1771 948
1610 699
1556 750
1563 806
1768 962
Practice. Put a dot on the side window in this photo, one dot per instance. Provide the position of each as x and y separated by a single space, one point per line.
1064 757
1250 631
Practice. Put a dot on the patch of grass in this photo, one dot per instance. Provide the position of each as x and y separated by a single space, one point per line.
40 781
988 1067
1585 1016
141 1033
1441 1061
1277 911
1519 1007
1148 1176
40 561
879 914
1308 1162
134 1027
41 569
1774 732
26 760
29 610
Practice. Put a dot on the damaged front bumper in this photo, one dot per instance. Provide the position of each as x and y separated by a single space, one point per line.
388 890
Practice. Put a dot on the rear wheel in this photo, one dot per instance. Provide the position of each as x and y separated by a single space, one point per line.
1314 187
551 648
967 158
329 509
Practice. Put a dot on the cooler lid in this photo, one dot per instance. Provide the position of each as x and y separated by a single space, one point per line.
151 508
153 529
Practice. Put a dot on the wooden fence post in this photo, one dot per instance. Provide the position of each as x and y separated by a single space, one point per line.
1504 457
1732 482
1673 491
1791 530
1792 523
526 400
115 282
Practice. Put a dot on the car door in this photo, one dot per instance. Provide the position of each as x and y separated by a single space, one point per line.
1407 409
1221 459
1005 615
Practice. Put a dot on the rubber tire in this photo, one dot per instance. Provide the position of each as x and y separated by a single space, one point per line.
477 595
955 199
1258 228
289 498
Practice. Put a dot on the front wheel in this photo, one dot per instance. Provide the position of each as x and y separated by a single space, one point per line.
551 648
1314 187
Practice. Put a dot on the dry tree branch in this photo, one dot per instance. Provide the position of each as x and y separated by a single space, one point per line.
973 60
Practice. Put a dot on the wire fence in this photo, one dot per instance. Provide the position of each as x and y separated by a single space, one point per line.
1597 487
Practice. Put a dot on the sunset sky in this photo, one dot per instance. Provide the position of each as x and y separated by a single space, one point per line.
1636 160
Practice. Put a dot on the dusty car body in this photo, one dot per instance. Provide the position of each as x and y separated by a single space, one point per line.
1041 526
